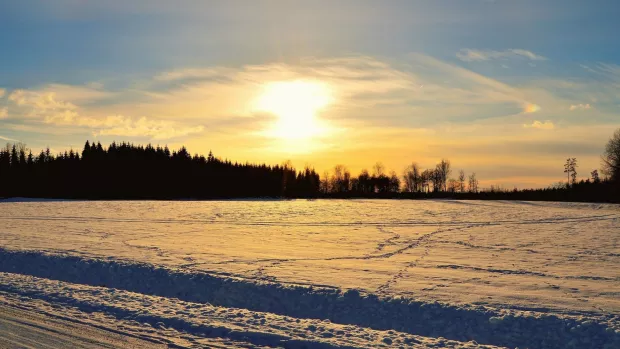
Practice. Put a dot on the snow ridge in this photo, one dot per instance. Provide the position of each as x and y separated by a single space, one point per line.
195 322
484 325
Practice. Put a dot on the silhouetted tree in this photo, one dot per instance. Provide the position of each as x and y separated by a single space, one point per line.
412 178
394 186
595 177
473 183
611 157
426 178
444 170
461 181
341 180
453 185
570 168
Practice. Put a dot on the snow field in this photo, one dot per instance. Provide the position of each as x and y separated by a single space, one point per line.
512 274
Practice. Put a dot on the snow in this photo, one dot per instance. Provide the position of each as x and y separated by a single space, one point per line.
189 323
512 274
24 326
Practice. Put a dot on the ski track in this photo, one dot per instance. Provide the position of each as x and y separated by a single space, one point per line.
186 305
196 320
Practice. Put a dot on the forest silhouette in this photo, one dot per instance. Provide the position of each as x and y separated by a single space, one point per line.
126 171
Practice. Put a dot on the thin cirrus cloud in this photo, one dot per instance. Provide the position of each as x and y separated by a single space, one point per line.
543 125
580 107
366 90
472 55
8 139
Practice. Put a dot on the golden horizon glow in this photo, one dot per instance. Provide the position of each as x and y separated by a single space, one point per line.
296 104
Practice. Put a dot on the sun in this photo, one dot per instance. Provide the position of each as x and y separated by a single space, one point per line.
296 104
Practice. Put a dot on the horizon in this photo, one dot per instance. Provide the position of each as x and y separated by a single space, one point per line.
507 90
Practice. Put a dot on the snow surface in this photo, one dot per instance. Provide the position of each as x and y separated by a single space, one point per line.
511 274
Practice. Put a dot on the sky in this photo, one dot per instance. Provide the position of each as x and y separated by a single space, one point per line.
506 89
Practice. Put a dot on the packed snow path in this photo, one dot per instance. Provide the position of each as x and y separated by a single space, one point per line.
23 327
538 275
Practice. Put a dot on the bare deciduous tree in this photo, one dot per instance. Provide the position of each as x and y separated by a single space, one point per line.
570 168
461 181
394 182
453 185
341 180
378 169
444 172
611 157
473 183
412 178
426 177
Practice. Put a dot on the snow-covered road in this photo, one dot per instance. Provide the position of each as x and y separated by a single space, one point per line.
24 328
538 275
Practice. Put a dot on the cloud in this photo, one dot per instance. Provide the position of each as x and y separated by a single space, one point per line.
2 92
155 129
531 108
39 101
366 91
43 105
587 68
579 107
8 139
4 113
471 55
547 125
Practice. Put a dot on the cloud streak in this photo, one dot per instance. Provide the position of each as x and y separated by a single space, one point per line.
579 107
546 125
472 55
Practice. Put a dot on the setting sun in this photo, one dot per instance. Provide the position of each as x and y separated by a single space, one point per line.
296 104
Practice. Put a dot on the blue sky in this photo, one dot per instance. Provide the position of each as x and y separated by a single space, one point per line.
508 89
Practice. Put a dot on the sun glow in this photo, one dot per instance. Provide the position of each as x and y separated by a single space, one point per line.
296 104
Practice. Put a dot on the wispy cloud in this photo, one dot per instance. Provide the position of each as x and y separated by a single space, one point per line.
154 129
472 55
580 106
8 139
44 105
365 90
546 125
4 113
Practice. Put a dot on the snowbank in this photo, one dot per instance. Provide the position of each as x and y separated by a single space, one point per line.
488 326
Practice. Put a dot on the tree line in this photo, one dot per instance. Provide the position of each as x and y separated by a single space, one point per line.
414 180
127 171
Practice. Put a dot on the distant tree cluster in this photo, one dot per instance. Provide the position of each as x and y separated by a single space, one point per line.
341 183
126 171
414 182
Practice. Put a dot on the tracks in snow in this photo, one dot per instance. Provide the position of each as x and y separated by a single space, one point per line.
193 322
463 324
